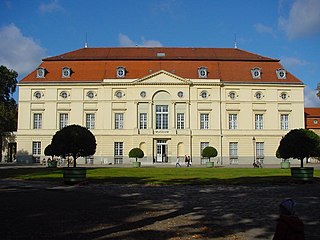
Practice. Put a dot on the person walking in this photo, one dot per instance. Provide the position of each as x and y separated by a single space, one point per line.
178 162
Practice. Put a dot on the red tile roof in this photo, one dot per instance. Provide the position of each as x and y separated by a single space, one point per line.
96 64
144 53
312 118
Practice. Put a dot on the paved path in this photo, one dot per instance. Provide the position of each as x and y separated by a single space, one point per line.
32 210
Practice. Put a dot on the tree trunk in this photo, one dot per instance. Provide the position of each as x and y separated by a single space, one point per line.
0 147
301 160
74 160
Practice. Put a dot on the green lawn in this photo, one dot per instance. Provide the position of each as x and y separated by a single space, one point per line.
163 175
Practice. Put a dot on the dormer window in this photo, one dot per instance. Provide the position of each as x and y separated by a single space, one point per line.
121 72
41 72
281 73
256 73
202 72
66 72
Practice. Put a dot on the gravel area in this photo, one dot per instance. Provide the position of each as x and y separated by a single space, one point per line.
34 210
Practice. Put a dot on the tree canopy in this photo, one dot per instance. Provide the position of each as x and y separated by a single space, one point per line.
8 106
299 144
48 151
75 141
209 152
136 153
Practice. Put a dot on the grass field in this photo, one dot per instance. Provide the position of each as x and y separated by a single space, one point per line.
170 176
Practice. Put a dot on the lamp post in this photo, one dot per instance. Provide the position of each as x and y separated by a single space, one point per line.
254 150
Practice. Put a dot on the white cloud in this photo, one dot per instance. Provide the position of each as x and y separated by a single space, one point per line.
50 7
19 52
310 97
303 19
125 41
261 28
292 62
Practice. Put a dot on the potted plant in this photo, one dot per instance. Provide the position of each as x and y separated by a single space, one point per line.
75 141
285 163
51 162
136 153
300 144
209 152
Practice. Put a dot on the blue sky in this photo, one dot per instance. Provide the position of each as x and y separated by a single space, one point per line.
288 30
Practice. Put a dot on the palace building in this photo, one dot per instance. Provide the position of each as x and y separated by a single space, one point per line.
170 102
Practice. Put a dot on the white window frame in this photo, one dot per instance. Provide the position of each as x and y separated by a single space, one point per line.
36 148
258 121
284 121
63 120
37 120
180 120
203 145
162 117
143 121
204 120
118 152
260 151
233 152
90 120
233 121
118 120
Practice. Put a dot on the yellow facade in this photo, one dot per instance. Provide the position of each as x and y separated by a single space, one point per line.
220 102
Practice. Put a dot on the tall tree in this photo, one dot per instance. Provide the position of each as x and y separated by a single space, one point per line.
8 106
318 88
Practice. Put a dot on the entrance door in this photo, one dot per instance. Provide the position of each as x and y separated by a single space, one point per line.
162 151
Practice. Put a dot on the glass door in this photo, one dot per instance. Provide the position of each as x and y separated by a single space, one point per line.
162 151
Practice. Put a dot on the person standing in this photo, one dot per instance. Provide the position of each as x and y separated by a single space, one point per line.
289 226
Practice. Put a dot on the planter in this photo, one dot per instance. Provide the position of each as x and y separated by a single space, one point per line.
73 175
210 164
136 164
52 164
302 174
285 165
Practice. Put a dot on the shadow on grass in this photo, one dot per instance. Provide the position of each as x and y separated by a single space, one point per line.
55 175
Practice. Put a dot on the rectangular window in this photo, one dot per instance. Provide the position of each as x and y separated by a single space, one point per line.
143 121
233 121
180 120
259 121
162 115
37 120
233 152
204 121
90 120
36 148
284 121
260 150
118 152
63 120
203 145
118 121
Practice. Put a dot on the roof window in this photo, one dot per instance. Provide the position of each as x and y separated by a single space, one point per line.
202 72
256 73
66 72
121 72
281 73
41 72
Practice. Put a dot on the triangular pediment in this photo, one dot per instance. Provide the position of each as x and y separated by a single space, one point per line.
162 77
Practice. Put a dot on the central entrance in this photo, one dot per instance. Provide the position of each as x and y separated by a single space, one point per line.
162 151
